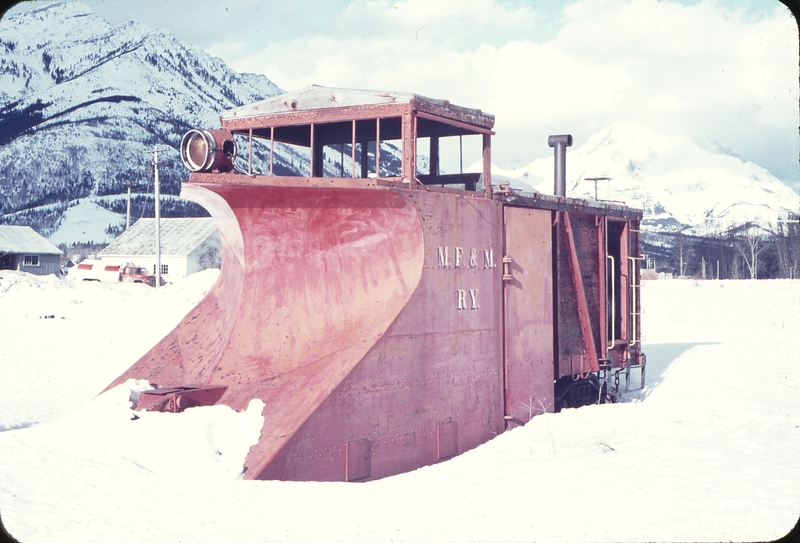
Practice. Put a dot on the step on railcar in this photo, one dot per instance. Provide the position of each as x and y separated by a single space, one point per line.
391 308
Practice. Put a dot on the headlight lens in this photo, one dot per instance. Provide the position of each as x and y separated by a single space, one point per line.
204 150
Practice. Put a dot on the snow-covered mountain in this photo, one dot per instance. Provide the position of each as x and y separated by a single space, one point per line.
82 101
680 185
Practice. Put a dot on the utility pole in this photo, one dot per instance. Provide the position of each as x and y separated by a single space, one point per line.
128 215
158 214
596 179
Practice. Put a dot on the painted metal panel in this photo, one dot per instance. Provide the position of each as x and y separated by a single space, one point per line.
447 440
357 460
440 361
311 279
528 314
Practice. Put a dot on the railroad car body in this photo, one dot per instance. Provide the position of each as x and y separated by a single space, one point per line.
390 315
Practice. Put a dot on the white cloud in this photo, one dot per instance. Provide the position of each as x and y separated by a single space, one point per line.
703 70
453 20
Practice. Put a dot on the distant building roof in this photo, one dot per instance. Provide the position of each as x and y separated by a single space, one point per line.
24 239
179 237
649 273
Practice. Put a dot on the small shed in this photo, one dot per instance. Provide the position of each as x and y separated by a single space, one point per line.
22 248
188 245
666 272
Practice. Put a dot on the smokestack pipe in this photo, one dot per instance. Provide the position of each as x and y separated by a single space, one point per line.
560 144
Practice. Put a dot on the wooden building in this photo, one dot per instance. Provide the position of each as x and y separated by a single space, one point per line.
188 245
21 248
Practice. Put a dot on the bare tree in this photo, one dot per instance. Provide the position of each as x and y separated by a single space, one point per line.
750 245
684 252
787 244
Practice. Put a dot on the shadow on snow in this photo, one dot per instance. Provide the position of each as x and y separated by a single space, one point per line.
660 358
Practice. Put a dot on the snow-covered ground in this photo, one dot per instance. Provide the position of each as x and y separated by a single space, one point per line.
709 450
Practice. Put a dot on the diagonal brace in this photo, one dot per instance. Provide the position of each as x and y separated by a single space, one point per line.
580 296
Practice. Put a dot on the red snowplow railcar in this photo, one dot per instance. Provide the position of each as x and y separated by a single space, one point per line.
391 314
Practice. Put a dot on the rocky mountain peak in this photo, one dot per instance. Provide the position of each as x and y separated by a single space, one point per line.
90 98
682 186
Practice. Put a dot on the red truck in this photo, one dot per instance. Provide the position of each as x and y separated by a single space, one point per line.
93 270
136 274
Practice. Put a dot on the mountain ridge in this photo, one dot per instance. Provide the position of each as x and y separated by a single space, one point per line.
674 180
93 97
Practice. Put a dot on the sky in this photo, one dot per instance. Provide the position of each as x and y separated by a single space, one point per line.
722 72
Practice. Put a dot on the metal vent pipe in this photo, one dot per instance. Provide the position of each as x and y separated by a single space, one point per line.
560 144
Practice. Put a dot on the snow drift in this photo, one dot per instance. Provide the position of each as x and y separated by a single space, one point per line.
707 451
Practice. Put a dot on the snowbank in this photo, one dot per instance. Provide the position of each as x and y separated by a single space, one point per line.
65 341
709 450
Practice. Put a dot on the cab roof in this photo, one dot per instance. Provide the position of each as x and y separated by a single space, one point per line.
330 104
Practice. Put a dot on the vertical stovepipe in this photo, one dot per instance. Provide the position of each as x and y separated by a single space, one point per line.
560 144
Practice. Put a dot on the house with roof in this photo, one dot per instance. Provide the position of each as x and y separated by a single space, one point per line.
666 272
22 248
188 245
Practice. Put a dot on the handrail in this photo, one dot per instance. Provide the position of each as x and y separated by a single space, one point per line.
634 285
613 301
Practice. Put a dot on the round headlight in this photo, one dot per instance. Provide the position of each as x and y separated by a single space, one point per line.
204 150
196 151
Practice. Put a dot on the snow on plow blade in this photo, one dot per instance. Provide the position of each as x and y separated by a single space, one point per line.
311 279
